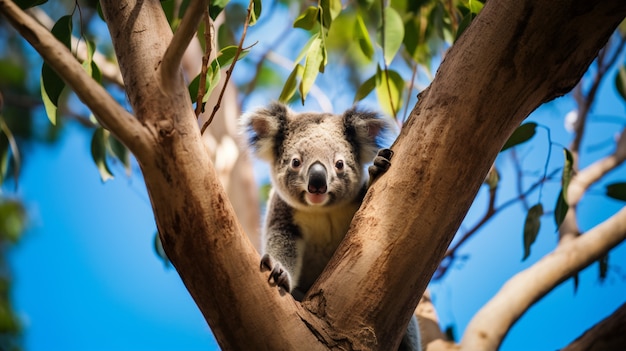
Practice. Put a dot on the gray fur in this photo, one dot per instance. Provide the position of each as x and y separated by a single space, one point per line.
318 183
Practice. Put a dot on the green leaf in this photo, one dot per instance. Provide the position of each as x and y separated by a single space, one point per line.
158 248
568 170
616 191
25 4
291 84
62 30
475 6
256 13
465 22
522 134
227 54
560 209
330 10
120 152
365 89
212 80
48 104
389 86
96 74
620 81
312 64
12 220
531 227
99 153
307 19
391 34
216 7
87 63
363 37
603 262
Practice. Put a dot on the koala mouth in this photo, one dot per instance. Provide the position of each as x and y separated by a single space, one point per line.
316 199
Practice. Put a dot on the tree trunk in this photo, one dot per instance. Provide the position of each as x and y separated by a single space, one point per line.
515 56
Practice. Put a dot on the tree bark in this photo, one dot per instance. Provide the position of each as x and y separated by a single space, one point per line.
609 334
515 56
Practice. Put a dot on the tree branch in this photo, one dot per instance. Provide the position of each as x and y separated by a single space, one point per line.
108 69
109 113
594 172
609 334
489 326
170 66
388 257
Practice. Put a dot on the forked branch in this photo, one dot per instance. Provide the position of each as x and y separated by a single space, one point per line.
184 34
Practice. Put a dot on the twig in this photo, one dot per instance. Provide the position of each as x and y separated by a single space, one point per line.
492 210
170 66
229 71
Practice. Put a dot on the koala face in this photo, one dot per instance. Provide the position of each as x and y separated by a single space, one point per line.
316 159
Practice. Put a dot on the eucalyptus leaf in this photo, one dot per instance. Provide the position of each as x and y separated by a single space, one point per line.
365 89
314 59
522 134
227 55
531 227
307 19
616 191
560 209
48 104
389 86
363 37
391 34
216 7
99 153
291 84
568 170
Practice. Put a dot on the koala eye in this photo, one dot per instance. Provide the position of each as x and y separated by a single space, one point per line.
295 163
339 165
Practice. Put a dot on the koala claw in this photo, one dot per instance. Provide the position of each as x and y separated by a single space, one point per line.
278 274
381 163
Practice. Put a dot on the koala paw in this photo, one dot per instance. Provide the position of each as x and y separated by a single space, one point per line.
278 273
381 164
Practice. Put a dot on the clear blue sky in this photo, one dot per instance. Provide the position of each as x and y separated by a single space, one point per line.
87 277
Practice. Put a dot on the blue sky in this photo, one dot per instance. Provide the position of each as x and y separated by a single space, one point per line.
86 276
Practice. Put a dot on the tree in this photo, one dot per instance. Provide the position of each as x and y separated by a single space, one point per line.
520 49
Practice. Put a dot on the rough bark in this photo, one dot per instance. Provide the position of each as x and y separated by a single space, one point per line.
516 55
609 334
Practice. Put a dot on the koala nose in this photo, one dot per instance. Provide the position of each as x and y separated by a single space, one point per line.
317 179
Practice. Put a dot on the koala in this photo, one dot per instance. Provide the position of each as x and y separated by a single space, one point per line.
318 183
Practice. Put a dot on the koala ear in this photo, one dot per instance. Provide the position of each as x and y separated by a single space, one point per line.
364 130
265 129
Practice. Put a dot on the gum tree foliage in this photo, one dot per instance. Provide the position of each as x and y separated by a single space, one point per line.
387 52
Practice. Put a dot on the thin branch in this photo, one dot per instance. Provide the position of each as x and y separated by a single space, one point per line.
109 70
170 66
109 113
230 69
594 172
491 212
491 324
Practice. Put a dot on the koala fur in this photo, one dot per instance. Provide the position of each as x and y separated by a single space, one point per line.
318 183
